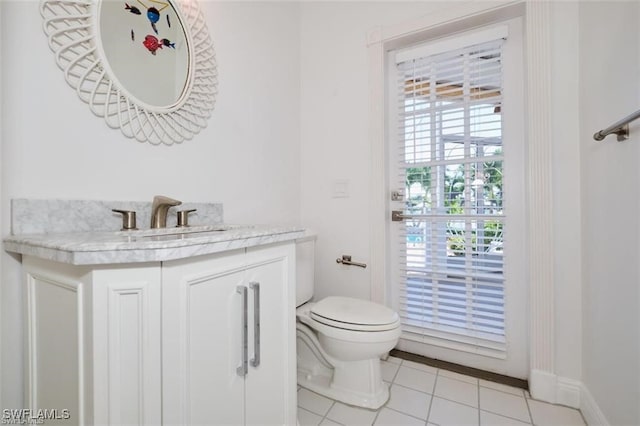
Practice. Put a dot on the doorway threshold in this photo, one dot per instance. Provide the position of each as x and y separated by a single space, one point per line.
462 369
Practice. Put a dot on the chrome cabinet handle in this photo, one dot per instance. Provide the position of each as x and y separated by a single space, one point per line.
244 344
255 361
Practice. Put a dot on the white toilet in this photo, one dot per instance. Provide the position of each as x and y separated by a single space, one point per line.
340 340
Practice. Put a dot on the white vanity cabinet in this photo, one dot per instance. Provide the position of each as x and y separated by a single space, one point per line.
161 342
229 339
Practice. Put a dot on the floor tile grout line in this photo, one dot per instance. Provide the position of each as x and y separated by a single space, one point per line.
325 414
480 386
478 401
431 400
438 374
457 402
310 412
325 417
406 414
430 405
526 400
508 417
378 411
433 392
396 373
416 390
422 369
502 414
333 402
393 383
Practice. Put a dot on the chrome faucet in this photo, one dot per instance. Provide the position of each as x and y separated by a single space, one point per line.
159 209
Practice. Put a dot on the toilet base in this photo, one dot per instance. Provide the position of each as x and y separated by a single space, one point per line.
343 366
354 383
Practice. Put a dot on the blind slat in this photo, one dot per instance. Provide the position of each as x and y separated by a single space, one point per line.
451 258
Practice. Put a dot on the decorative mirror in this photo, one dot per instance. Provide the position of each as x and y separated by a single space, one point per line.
147 66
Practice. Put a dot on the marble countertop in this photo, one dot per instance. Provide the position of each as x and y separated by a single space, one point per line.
151 245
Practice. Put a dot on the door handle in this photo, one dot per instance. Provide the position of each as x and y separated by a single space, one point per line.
255 361
242 369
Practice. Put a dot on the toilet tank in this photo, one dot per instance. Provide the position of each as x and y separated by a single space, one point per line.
305 253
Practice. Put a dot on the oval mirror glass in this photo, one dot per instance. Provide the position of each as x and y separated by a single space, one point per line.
145 46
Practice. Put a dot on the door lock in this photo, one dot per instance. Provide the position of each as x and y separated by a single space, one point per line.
397 196
397 216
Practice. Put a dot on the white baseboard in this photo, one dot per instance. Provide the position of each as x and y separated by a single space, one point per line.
590 409
548 387
568 392
543 386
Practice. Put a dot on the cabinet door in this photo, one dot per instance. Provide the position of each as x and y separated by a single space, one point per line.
201 341
126 350
271 386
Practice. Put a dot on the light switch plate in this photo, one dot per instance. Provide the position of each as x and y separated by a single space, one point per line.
340 188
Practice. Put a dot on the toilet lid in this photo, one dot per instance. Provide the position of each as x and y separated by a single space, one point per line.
354 314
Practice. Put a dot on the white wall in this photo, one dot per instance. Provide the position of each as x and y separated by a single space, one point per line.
54 147
565 168
610 90
336 146
291 121
1 180
595 81
334 132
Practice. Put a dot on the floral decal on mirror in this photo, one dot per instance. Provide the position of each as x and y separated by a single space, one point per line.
173 53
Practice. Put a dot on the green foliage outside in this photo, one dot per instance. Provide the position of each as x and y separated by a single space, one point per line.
454 201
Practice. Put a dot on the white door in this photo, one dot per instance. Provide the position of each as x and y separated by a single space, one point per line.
456 160
202 323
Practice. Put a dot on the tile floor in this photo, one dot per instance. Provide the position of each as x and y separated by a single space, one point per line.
424 395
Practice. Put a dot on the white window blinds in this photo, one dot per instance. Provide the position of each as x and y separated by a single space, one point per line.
451 162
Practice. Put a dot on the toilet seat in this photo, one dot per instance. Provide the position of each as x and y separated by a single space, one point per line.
354 314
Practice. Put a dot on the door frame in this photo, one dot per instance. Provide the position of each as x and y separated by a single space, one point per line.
540 255
511 360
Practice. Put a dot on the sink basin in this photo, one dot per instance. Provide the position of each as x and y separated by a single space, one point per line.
178 232
168 234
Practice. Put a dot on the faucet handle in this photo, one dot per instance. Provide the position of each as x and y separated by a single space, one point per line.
128 219
183 218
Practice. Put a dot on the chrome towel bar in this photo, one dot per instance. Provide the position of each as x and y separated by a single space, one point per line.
620 128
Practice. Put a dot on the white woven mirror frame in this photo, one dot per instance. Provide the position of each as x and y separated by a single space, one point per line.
72 29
